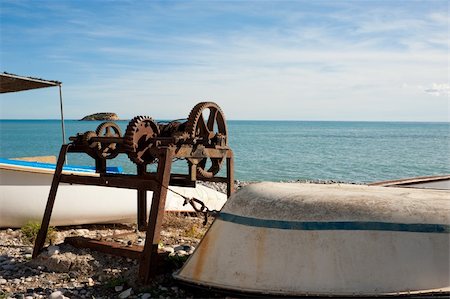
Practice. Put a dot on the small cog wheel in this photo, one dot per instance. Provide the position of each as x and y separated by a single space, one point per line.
87 139
108 129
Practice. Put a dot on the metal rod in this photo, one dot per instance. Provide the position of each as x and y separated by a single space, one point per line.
62 119
62 114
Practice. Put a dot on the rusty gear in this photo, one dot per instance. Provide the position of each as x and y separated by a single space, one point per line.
138 136
86 139
108 129
210 133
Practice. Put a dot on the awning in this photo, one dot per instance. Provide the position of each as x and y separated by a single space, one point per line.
13 83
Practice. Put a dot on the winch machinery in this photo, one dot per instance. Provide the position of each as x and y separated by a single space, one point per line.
201 140
205 128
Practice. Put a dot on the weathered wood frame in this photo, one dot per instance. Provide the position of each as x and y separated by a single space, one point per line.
143 181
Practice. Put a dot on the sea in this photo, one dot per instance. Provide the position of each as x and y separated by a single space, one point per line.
344 151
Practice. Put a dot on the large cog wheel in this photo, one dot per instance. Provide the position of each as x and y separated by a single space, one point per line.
206 123
138 139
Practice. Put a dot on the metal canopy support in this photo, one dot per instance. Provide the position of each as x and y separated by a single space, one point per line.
14 83
62 114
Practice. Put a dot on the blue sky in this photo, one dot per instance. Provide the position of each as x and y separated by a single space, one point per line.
296 60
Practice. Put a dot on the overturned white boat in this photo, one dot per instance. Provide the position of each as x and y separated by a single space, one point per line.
24 189
327 240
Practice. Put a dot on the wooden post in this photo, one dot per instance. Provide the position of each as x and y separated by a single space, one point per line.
147 266
100 165
230 174
42 234
141 201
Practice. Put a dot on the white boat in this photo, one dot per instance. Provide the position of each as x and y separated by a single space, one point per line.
439 182
327 240
24 189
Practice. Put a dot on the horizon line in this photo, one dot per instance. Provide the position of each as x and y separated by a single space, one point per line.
255 120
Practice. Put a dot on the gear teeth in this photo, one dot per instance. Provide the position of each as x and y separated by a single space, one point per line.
129 137
104 125
191 128
195 114
87 136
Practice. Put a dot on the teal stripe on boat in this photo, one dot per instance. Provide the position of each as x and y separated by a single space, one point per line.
336 225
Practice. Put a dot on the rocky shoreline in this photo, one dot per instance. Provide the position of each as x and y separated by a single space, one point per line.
63 271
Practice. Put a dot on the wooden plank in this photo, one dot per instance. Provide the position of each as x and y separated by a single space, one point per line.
114 248
42 234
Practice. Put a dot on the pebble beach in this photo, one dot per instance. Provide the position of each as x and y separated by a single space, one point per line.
63 271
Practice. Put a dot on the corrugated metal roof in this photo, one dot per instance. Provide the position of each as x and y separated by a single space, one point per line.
13 83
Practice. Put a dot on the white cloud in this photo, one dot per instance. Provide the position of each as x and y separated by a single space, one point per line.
286 62
438 89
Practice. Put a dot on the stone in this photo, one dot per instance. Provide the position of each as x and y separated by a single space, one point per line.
52 250
146 296
126 293
182 247
28 250
56 264
91 282
168 249
3 281
56 295
9 267
118 288
81 232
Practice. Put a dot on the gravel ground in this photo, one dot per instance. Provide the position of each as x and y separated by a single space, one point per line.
63 271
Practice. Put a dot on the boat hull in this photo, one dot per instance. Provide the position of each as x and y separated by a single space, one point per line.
305 240
24 193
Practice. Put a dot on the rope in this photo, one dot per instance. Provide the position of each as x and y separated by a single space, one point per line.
192 201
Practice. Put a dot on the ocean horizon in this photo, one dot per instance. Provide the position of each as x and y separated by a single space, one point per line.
278 150
243 120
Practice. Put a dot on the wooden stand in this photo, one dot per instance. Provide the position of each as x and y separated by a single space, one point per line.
143 181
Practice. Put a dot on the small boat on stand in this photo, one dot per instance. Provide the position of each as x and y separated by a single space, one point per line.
24 188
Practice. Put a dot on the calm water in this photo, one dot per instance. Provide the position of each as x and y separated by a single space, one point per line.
281 150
